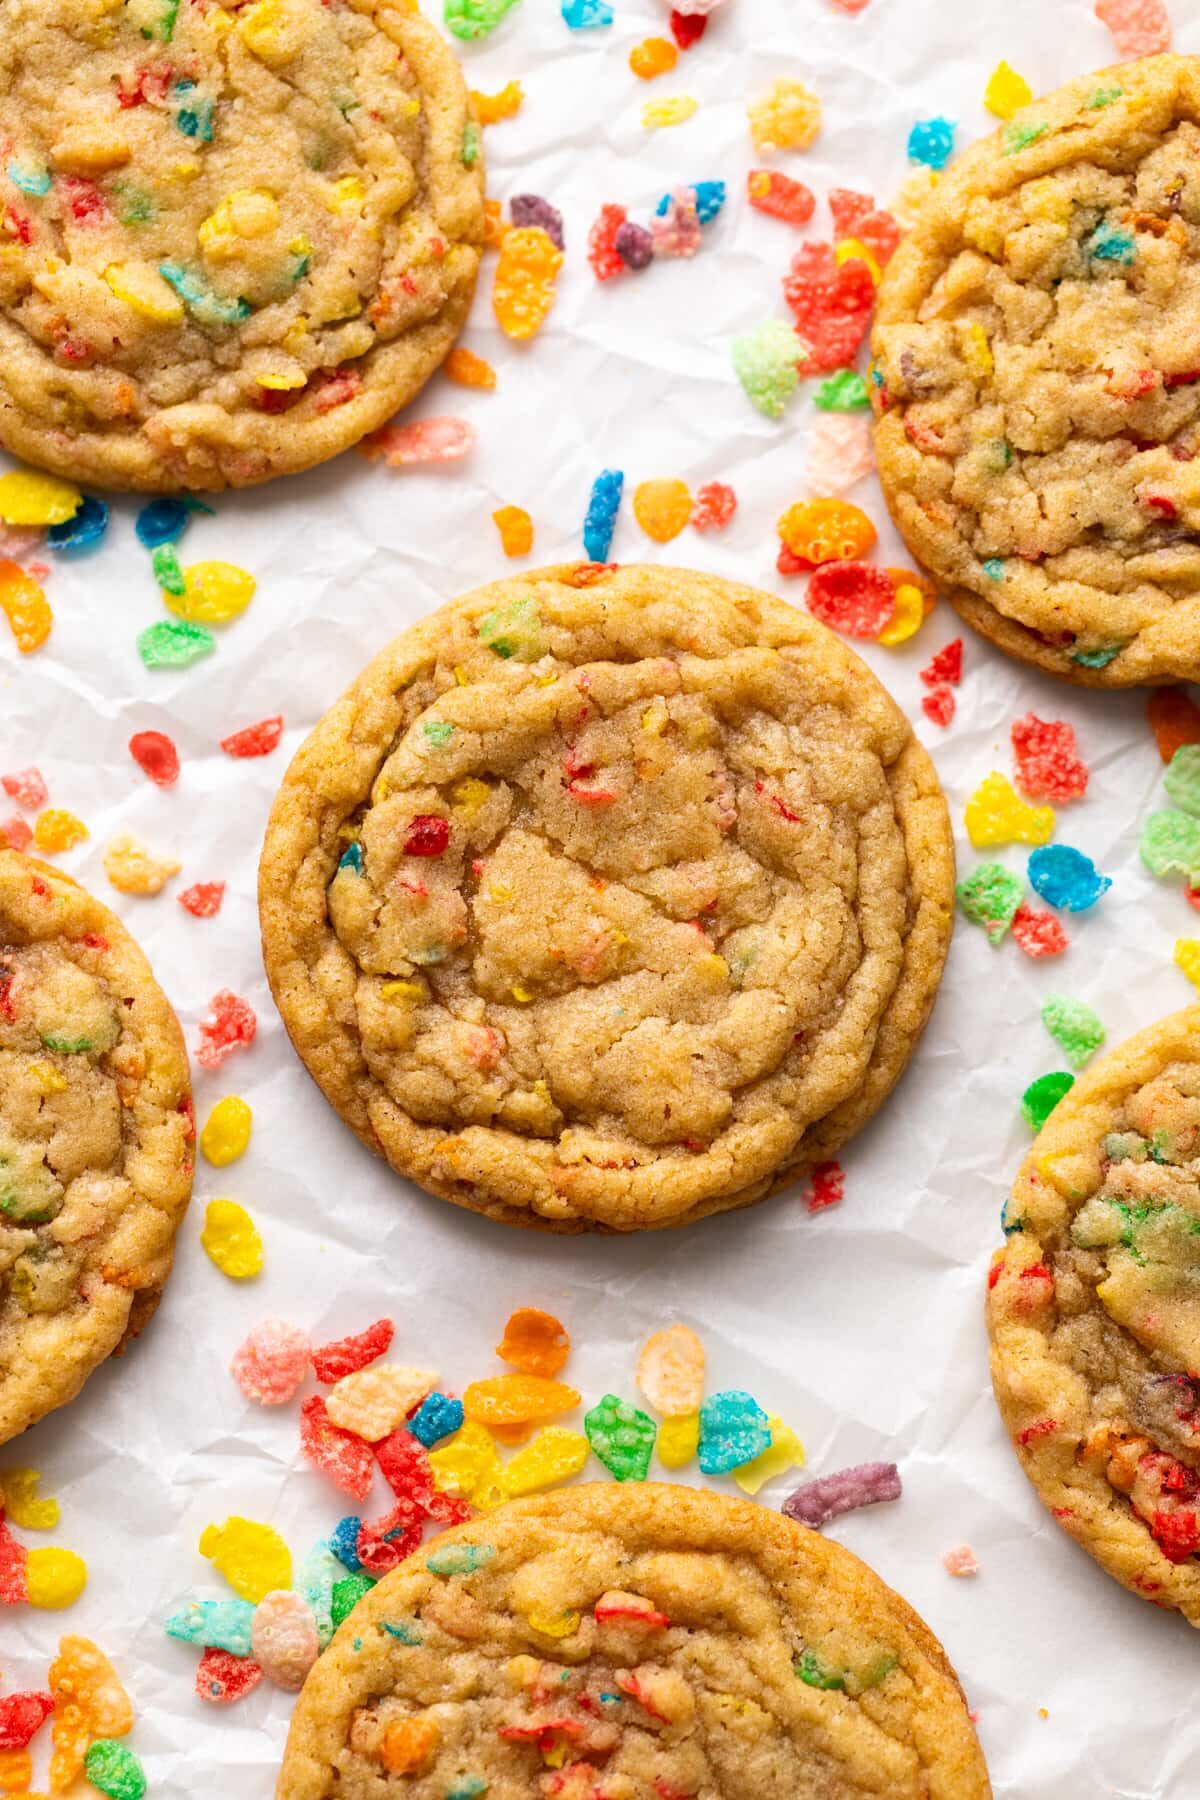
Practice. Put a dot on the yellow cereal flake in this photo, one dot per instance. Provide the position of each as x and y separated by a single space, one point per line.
232 1239
19 1488
676 111
853 249
140 287
1187 956
554 1455
27 498
786 117
214 593
677 1441
253 1558
1006 91
56 1577
996 814
133 869
227 1131
55 830
553 1625
469 1466
908 616
784 1452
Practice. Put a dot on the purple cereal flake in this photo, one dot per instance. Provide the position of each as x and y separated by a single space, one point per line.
816 1502
634 245
531 209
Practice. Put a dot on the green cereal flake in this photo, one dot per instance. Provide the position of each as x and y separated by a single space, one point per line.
1182 779
470 143
468 1787
167 571
137 207
406 1631
1102 96
514 632
843 391
767 362
816 1674
174 644
115 1770
1019 137
1043 1095
438 732
1125 1146
1075 1028
990 896
1096 659
1170 844
622 1437
459 1559
993 568
347 1593
475 18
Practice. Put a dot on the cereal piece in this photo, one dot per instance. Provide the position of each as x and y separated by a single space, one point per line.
233 1025
962 1561
733 1431
1047 761
472 19
385 1543
27 787
786 117
226 1131
784 1452
437 440
346 1356
408 1744
156 756
29 498
622 1436
586 15
489 110
164 521
995 814
662 508
706 199
114 1770
1174 720
1182 779
408 1471
203 899
714 507
856 216
217 1624
1066 878
814 1503
670 1371
373 1402
253 1558
523 289
516 530
22 1717
1139 27
1187 957
231 1238
600 520
15 833
653 56
315 1580
1170 844
428 835
55 830
25 607
437 1417
270 1363
820 531
283 1640
944 666
83 532
1038 931
343 1541
1074 1026
533 210
913 605
687 28
779 196
678 1440
534 1342
346 1459
554 1455
168 571
174 645
828 1187
831 303
468 1466
89 1701
517 1399
19 1499
939 706
1006 91
990 896
855 598
766 361
469 370
657 114
255 740
1043 1095
459 1559
634 244
931 141
133 869
221 1678
675 232
213 593
55 1577
14 1587
839 453
844 391
603 256
347 1593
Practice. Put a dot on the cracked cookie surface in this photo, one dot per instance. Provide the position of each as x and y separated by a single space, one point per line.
96 1139
1094 1317
233 239
608 898
1037 381
622 1643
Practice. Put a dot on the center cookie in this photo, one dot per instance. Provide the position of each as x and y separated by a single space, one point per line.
608 1643
608 898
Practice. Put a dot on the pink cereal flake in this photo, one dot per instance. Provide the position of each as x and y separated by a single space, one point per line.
839 453
962 1560
27 787
270 1364
426 441
1139 27
15 833
232 1025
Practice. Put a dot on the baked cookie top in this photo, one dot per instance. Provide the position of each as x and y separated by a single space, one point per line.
617 1643
1094 1313
1037 379
608 898
233 238
96 1139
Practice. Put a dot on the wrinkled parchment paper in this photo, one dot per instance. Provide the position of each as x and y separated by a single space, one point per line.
862 1326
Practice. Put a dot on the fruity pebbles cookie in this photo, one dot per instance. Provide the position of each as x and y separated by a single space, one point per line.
608 1642
1094 1316
96 1139
608 898
1037 379
233 238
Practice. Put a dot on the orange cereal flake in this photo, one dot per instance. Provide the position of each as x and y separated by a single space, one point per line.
469 370
407 1745
1174 720
25 606
653 56
820 531
534 1342
55 830
516 530
517 1399
490 108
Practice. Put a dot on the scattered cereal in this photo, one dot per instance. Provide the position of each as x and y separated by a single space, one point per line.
586 15
814 1503
786 117
554 1455
828 1187
221 1678
990 896
439 440
1074 1026
253 1558
156 756
438 1416
213 593
217 1624
653 56
778 195
523 289
19 1499
1043 1095
114 1770
163 521
283 1639
28 498
517 1399
843 391
839 453
27 787
231 1237
490 109
55 1577
1006 91
622 1437
962 1559
603 257
1139 27
733 1431
227 1131
687 28
995 814
1038 931
1186 956
270 1363
516 530
373 1402
25 607
534 1342
1174 720
931 141
657 114
678 1440
134 869
203 899
232 1026
601 517
831 304
784 1452
662 508
255 740
174 645
475 18
821 531
82 532
469 370
1048 766
55 830
855 598
1066 878
714 506
670 1371
766 361
346 1459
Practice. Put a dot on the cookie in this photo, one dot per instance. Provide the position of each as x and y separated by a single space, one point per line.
610 1643
1037 383
233 239
96 1139
608 898
1093 1315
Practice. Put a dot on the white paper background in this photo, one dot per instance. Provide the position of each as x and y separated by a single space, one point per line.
862 1327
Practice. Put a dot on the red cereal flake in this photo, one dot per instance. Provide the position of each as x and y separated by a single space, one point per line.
602 253
22 1717
346 1460
203 899
271 1362
15 833
386 1542
1139 27
1042 1428
347 1355
857 216
832 303
428 835
1192 896
856 598
255 740
779 196
589 574
688 28
1038 931
156 756
828 1186
233 1025
714 506
1174 720
27 787
404 1463
14 1586
944 666
222 1678
1177 1534
1048 765
938 706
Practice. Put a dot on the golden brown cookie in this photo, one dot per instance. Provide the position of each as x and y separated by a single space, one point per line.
615 1643
1094 1313
608 899
1037 379
96 1139
233 237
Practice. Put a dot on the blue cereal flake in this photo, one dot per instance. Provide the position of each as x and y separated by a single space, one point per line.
459 1559
468 1787
436 1418
993 568
405 1631
733 1430
352 859
30 178
315 1580
1096 659
343 1541
216 1624
1067 878
586 15
204 305
84 531
1111 243
710 198
931 141
163 521
601 517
